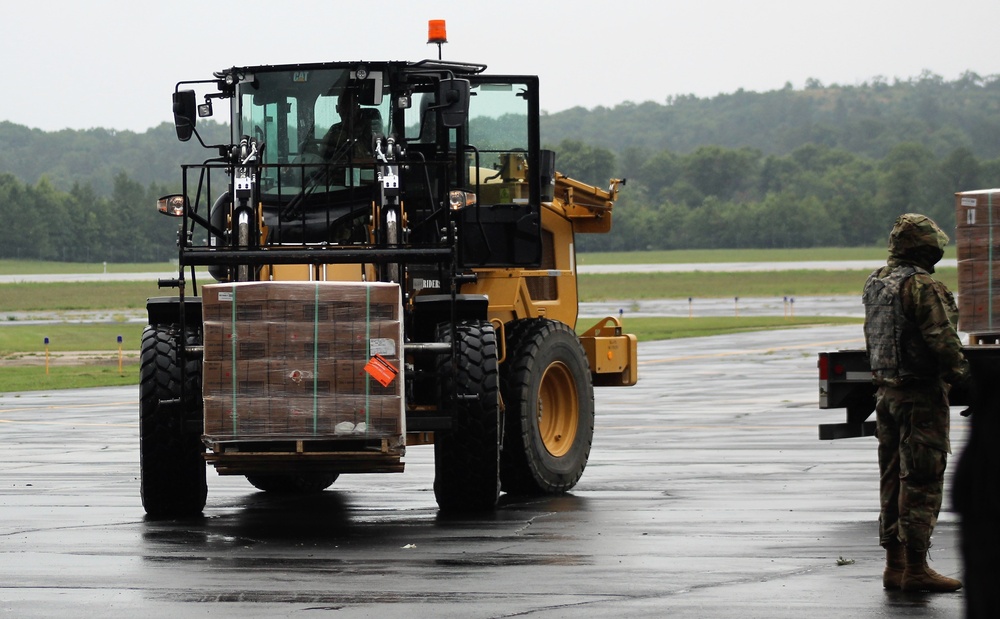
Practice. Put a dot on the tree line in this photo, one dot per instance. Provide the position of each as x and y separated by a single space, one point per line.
815 196
868 119
713 197
79 225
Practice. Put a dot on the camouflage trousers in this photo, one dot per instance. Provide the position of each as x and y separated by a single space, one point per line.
913 446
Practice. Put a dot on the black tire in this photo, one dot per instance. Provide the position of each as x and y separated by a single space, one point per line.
548 400
292 483
171 454
467 457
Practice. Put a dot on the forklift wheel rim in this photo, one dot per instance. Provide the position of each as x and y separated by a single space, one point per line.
557 409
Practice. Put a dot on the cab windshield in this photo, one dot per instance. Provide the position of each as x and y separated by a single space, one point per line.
310 119
318 127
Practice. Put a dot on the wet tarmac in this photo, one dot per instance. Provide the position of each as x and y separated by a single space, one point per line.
828 305
707 495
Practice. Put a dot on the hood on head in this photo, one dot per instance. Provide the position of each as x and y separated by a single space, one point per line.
917 240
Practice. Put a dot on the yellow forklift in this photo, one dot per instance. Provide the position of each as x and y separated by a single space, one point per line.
392 263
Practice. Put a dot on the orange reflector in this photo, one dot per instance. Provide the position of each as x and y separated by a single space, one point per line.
436 31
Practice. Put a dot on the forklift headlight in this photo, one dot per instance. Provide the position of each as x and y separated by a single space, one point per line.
172 205
460 199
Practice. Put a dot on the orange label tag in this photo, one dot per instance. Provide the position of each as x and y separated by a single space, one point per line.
381 370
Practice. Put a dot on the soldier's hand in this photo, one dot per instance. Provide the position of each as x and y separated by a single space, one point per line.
970 390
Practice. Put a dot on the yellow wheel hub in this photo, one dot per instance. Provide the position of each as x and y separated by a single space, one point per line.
557 409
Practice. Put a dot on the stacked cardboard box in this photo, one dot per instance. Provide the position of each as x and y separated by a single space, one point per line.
977 218
287 360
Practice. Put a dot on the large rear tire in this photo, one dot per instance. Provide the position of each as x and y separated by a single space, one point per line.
292 483
549 408
467 457
171 454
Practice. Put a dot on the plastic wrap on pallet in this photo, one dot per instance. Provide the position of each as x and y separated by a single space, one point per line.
287 361
977 241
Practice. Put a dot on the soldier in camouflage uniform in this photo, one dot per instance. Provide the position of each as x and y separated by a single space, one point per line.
916 356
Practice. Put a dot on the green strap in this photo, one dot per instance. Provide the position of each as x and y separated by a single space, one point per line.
368 340
989 260
316 360
234 349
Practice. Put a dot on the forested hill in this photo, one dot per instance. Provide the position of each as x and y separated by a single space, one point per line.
868 120
821 166
93 157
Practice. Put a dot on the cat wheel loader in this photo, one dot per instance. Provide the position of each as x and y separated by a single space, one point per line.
381 256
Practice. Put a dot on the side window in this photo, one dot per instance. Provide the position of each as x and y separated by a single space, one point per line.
420 119
498 129
276 123
325 115
291 124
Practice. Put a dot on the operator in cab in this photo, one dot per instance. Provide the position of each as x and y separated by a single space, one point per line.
351 138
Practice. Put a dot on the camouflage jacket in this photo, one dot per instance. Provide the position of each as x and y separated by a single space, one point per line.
910 331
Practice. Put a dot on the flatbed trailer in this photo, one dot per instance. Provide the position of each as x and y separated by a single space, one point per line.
845 381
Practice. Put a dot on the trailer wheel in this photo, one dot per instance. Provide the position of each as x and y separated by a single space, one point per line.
292 483
467 457
171 460
549 408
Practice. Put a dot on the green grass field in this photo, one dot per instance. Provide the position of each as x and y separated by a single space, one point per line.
68 337
35 378
40 267
24 297
22 351
127 297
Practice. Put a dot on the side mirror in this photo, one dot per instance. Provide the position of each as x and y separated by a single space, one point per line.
453 102
173 205
185 114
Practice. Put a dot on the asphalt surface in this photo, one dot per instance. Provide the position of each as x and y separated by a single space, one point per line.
707 495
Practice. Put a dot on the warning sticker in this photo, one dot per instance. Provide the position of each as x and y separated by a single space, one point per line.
968 201
381 370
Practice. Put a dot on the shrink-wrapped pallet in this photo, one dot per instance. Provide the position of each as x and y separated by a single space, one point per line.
302 361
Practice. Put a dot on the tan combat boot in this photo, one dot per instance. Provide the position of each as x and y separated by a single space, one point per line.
895 564
917 576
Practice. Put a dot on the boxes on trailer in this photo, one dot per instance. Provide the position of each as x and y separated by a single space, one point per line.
977 218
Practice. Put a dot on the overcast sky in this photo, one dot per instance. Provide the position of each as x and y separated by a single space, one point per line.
113 64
